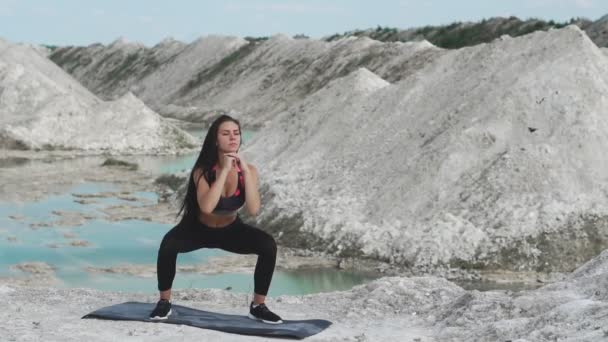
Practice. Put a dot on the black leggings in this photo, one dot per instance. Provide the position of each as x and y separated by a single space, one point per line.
237 237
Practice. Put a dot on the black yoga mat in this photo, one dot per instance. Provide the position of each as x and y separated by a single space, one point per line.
238 324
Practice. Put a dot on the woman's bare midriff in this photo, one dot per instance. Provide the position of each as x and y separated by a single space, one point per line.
215 221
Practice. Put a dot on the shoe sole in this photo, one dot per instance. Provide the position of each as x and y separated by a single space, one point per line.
158 318
263 320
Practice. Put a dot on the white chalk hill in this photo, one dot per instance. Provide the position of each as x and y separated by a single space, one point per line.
42 107
491 156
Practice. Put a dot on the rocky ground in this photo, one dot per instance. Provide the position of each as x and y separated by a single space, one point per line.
388 309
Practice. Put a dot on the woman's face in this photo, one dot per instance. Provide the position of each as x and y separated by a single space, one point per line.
228 137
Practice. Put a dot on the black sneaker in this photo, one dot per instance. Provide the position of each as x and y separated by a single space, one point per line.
262 313
161 311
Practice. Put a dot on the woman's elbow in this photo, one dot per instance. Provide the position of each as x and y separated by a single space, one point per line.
205 210
253 211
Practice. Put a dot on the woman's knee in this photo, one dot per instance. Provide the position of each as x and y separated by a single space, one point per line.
267 245
168 245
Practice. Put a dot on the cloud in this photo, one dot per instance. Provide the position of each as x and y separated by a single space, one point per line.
281 7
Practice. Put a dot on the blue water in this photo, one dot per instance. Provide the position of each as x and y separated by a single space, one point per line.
129 242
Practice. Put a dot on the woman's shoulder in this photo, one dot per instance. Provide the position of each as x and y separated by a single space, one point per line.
197 172
200 171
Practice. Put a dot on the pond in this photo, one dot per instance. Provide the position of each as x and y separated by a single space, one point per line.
26 237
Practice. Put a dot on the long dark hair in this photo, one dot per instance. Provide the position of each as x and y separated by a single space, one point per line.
207 158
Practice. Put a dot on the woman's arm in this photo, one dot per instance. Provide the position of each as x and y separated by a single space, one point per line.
252 195
208 196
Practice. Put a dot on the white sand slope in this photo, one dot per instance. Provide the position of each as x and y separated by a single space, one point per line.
254 80
41 106
264 79
490 156
598 31
160 87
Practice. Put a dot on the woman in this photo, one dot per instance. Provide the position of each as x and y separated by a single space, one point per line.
220 183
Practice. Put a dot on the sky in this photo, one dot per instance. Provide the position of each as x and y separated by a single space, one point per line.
77 22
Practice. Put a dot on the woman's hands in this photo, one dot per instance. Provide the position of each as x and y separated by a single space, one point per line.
228 161
232 159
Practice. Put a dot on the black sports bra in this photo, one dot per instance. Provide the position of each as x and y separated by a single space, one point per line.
228 205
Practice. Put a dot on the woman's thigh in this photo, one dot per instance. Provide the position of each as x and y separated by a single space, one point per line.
242 238
189 238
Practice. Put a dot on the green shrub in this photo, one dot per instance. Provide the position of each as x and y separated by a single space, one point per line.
457 34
